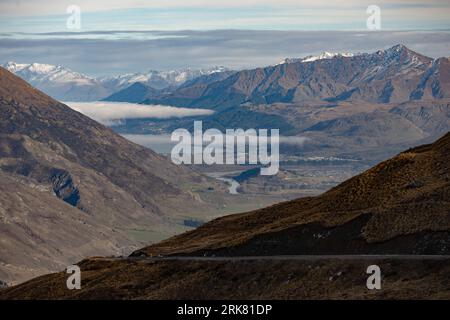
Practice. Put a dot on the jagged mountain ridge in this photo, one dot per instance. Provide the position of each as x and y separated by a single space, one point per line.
160 79
395 75
323 55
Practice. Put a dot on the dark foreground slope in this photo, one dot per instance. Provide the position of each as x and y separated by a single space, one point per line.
399 206
254 279
70 187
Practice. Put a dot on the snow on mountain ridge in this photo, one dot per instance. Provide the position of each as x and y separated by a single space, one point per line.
327 55
41 73
59 82
67 85
159 79
322 56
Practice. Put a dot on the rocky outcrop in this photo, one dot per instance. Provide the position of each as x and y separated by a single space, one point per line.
3 285
64 187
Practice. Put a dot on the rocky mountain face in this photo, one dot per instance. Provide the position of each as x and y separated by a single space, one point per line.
394 75
71 187
3 285
397 207
347 127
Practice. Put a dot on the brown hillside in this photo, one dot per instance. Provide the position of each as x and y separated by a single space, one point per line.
407 196
63 175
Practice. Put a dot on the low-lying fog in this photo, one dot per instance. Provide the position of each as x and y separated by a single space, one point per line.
109 113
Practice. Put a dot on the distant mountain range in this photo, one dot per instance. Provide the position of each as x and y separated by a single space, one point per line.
159 79
397 74
147 89
66 85
59 82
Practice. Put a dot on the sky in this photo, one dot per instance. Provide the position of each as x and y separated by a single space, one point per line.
51 16
131 36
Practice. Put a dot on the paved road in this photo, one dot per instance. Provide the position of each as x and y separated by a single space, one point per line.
297 257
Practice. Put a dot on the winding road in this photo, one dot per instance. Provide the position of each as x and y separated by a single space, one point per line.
296 257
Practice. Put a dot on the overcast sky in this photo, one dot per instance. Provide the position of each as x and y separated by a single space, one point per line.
46 15
119 36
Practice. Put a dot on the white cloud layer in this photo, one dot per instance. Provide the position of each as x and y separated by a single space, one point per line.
109 113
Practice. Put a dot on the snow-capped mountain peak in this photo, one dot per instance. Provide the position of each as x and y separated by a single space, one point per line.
33 67
322 56
13 67
39 73
43 68
57 81
401 54
67 85
159 79
326 55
